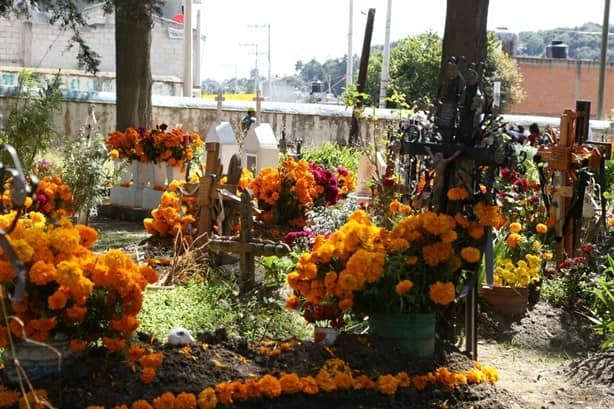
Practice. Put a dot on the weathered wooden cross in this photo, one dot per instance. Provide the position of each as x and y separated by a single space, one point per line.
246 245
258 98
219 99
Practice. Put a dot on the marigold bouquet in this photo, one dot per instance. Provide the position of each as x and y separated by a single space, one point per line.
519 255
69 289
285 193
412 265
175 146
173 215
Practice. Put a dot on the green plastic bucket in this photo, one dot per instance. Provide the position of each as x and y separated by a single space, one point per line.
416 331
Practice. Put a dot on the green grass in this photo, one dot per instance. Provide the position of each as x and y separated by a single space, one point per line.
214 303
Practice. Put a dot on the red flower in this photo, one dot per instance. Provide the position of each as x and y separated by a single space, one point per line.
587 249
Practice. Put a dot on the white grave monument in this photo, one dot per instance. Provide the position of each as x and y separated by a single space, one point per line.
260 148
222 133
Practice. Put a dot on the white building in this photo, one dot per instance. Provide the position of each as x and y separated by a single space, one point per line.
34 43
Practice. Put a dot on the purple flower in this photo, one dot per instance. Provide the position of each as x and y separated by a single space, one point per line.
42 199
163 127
343 171
292 236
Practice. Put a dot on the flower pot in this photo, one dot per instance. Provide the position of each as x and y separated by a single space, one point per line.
325 335
159 175
507 301
39 360
416 331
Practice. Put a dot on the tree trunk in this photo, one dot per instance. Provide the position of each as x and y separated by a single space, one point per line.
133 65
465 32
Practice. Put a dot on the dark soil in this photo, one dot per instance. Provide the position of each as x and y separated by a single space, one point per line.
101 379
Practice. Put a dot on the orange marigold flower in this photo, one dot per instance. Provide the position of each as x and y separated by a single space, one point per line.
309 385
458 193
476 230
269 386
135 352
387 384
78 345
57 300
403 287
346 303
148 273
491 374
364 382
442 293
76 313
185 400
292 302
420 382
515 227
152 360
148 375
343 380
541 228
164 401
471 254
403 379
114 344
325 381
224 393
207 399
42 273
141 404
290 383
87 235
514 239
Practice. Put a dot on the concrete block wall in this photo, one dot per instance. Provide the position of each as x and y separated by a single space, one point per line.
40 45
11 37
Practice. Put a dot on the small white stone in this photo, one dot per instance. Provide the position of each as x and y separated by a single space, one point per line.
180 337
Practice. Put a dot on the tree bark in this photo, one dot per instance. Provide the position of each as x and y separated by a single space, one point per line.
133 65
465 32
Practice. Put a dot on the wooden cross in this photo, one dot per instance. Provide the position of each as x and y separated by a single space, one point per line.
259 98
219 98
246 245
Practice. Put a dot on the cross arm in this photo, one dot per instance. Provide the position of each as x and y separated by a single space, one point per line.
481 156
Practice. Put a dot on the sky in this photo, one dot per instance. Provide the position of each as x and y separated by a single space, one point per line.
306 29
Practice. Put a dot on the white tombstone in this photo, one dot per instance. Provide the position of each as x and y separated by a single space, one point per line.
260 148
222 133
382 164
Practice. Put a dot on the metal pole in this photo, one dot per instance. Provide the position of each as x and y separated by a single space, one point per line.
187 49
385 59
269 57
603 61
198 52
349 69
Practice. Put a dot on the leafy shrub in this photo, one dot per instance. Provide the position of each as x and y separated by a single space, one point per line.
332 155
30 126
85 171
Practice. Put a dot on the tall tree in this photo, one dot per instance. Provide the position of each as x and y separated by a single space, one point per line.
133 21
465 32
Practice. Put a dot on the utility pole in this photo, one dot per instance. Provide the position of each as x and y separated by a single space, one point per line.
349 69
603 61
256 74
268 27
187 49
385 60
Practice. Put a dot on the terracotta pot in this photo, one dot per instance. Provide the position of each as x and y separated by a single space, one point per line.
511 302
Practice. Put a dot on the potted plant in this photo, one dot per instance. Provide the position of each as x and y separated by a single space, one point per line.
398 275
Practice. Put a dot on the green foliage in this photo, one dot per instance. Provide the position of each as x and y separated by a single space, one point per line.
414 66
276 269
584 41
500 67
30 126
85 171
332 155
602 314
214 303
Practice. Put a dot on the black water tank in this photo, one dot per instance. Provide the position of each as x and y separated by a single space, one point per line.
316 87
557 49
